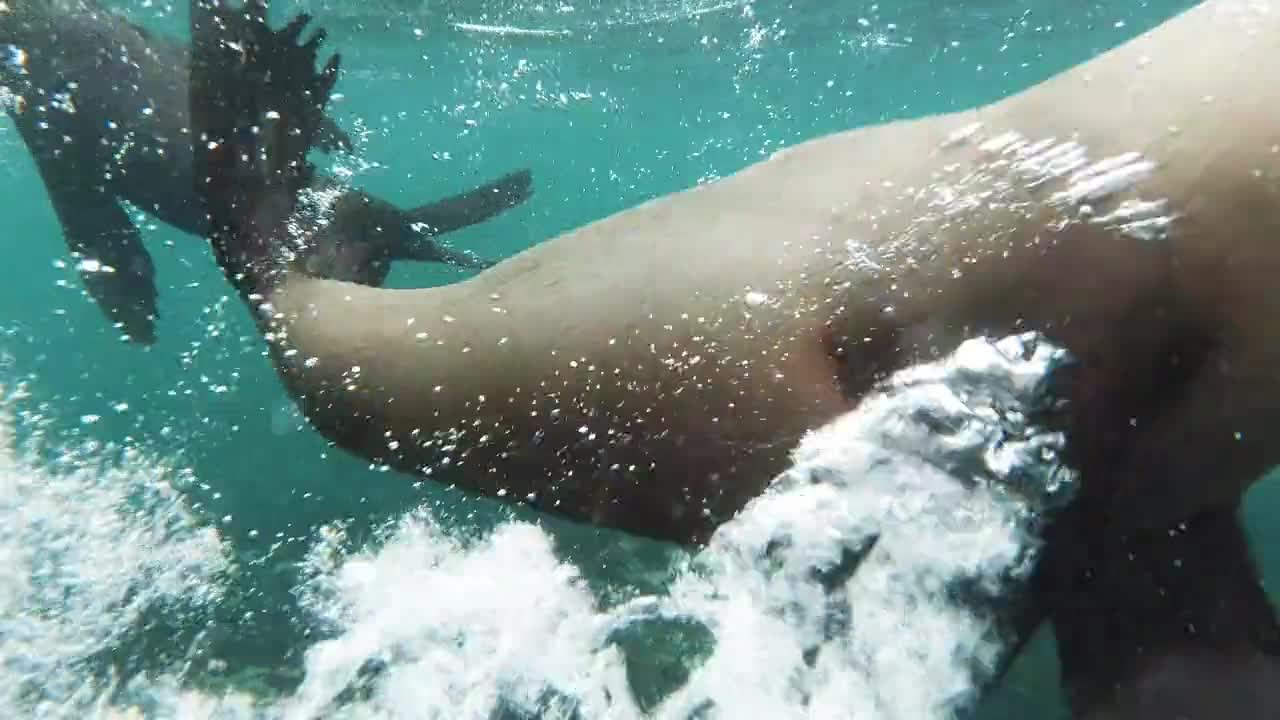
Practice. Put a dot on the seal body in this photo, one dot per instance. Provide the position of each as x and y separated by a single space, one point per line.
101 104
1128 209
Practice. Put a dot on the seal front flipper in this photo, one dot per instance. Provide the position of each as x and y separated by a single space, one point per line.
257 107
114 265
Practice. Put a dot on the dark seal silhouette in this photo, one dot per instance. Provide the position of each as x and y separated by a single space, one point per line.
101 103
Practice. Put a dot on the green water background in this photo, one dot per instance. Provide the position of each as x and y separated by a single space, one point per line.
639 100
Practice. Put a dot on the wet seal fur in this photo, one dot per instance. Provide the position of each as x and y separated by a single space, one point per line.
1127 209
102 107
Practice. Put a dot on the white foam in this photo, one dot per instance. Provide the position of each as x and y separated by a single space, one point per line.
927 488
84 551
940 479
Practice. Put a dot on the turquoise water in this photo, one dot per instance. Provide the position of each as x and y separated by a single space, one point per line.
609 104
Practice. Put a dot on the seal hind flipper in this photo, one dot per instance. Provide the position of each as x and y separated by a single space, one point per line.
116 268
257 107
474 206
333 138
426 222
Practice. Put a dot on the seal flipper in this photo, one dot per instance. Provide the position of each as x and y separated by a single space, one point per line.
423 224
116 268
1163 623
474 206
333 138
257 108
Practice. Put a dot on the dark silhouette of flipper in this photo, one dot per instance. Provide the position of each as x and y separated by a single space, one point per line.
257 107
427 222
333 138
464 209
102 154
116 268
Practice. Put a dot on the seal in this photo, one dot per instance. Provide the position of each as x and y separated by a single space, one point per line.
102 107
1126 209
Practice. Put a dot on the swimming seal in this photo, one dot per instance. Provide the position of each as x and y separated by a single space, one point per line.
103 110
1127 209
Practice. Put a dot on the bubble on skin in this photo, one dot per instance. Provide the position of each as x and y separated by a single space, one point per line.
1132 210
91 265
1148 229
962 135
1104 178
15 56
1010 173
1001 142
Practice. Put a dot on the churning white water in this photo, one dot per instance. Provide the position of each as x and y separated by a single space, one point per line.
867 583
85 550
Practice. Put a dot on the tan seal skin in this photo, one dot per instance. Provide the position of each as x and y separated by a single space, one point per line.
651 371
600 328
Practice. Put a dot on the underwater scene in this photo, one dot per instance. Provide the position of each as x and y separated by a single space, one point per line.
177 541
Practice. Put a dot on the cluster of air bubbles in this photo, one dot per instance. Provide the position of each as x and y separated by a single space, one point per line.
91 549
15 57
870 39
1079 184
9 102
914 516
